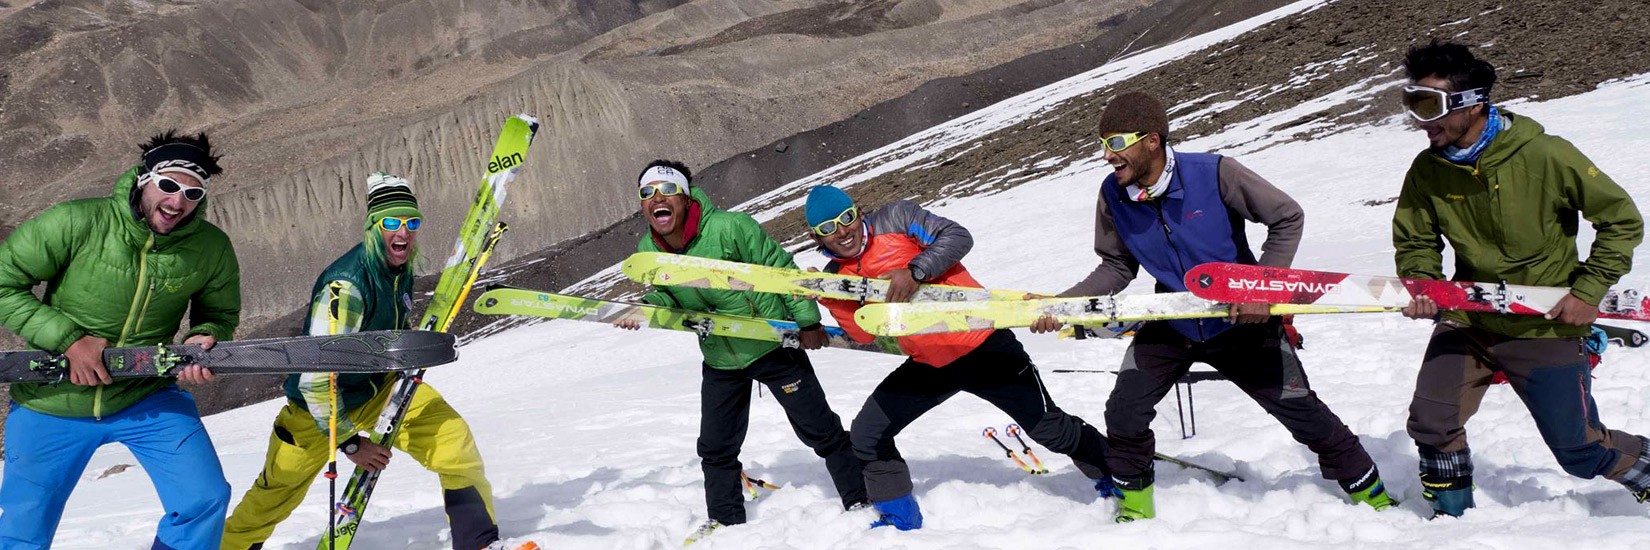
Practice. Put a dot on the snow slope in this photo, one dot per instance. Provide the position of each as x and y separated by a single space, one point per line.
589 431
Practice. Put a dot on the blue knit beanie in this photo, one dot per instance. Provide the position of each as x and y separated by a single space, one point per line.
825 203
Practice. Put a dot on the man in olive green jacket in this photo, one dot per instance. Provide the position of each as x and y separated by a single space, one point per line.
1506 196
119 271
682 220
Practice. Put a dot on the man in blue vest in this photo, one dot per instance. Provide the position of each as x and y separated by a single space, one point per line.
1167 211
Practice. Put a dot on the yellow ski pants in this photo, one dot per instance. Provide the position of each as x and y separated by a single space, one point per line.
432 433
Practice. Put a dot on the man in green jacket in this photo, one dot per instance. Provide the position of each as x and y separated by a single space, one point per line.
682 220
119 271
368 288
1506 196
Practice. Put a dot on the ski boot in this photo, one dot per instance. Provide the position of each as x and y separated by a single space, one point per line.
1449 497
1135 498
902 513
1106 488
1368 489
703 531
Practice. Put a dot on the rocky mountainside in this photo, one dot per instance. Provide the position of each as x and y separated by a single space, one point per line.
306 97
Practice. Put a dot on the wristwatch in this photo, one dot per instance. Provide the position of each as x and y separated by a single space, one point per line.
351 445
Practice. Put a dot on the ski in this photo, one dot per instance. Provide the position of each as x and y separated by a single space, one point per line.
1624 337
477 236
514 301
369 352
1220 477
1229 282
662 269
703 530
1013 430
906 319
991 433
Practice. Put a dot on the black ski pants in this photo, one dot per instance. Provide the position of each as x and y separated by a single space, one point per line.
1000 372
724 416
1256 357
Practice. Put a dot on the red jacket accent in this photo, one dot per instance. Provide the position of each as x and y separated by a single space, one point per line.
690 230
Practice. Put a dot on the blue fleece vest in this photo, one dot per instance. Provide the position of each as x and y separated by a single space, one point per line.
1187 226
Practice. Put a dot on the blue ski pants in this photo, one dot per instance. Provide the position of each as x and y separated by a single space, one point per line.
46 454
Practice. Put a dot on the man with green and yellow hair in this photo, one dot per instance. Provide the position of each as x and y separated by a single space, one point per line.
368 288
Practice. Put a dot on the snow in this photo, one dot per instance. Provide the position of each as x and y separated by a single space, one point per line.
589 432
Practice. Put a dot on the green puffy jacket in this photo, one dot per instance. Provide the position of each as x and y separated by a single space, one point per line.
1513 217
109 276
735 237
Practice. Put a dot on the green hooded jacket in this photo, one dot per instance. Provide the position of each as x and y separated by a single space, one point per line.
357 292
1514 217
107 275
735 237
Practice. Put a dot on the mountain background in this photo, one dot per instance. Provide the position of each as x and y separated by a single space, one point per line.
306 97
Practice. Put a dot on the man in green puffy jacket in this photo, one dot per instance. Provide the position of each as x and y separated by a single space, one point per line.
682 220
1507 198
119 271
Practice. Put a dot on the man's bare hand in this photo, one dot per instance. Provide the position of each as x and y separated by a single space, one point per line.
370 456
1573 311
628 324
1249 313
1045 324
1421 307
195 374
901 285
86 361
814 338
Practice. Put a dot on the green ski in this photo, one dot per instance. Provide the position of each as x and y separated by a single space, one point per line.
513 301
658 268
476 238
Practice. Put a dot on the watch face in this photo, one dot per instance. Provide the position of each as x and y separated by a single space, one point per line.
350 448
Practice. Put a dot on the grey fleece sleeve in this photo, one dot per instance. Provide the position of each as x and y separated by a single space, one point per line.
1256 200
944 242
1117 265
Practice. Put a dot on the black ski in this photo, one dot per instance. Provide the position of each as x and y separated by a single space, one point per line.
379 351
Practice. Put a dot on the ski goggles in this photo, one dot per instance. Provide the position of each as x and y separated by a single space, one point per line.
666 188
830 227
1116 143
172 187
1429 104
393 223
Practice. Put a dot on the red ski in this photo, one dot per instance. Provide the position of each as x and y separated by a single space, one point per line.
1237 283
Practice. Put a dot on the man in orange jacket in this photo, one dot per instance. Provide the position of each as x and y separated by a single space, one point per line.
908 245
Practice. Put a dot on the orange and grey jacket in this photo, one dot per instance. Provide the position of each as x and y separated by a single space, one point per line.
904 235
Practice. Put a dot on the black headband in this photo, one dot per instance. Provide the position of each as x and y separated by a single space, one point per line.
178 156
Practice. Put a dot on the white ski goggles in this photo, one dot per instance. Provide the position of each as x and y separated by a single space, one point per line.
1428 104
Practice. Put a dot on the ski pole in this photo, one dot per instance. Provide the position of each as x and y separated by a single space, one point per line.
1013 431
752 483
991 433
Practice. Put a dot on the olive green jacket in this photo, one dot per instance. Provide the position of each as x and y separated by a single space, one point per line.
1513 217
